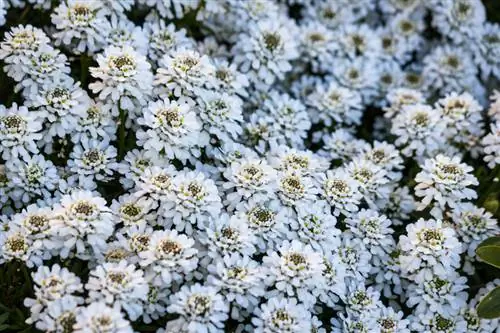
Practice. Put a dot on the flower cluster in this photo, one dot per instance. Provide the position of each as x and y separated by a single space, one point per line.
250 166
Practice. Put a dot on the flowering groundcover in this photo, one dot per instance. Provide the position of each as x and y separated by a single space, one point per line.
248 165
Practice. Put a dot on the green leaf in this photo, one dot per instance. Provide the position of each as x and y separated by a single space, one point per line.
489 307
3 317
489 251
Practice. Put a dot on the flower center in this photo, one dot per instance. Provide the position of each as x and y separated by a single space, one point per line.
272 41
131 210
16 243
199 304
84 208
66 321
170 247
13 123
116 277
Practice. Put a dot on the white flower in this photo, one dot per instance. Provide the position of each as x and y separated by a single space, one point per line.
156 182
462 114
400 97
294 189
19 131
446 296
487 50
337 104
43 66
228 79
473 225
436 323
240 281
448 69
294 271
341 144
281 315
459 20
317 45
265 51
33 177
419 130
123 32
354 255
221 114
225 236
124 79
171 8
429 249
52 284
81 225
171 256
372 180
195 201
266 222
361 300
357 41
95 122
315 226
388 157
171 128
333 285
60 315
20 42
201 308
248 178
135 164
133 211
118 283
446 181
291 120
99 317
93 160
61 102
182 71
81 25
390 321
164 39
399 206
373 229
341 191
491 144
305 162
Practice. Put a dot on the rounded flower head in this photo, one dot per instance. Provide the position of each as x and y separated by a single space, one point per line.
19 131
124 78
82 225
171 128
446 181
81 25
202 308
118 283
265 51
429 248
294 270
171 256
418 129
99 317
281 315
182 71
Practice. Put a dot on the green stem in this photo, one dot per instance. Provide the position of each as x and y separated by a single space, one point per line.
121 133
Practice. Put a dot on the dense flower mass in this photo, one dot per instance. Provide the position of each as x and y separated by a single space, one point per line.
274 166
